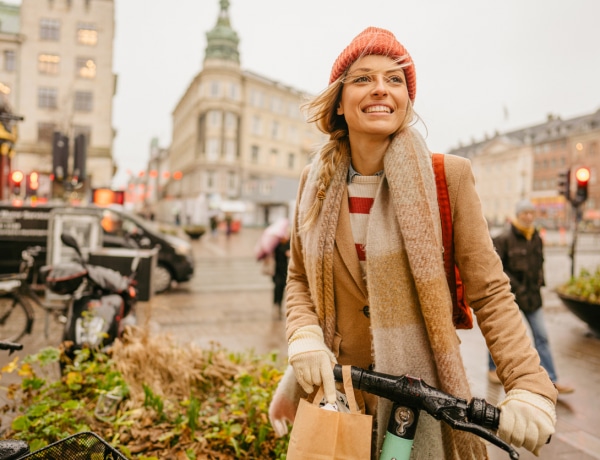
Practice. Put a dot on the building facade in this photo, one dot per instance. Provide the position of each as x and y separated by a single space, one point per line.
239 140
526 163
57 70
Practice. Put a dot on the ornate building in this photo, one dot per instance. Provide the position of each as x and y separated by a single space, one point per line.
239 140
57 73
526 163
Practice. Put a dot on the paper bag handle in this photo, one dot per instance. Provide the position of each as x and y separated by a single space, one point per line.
348 389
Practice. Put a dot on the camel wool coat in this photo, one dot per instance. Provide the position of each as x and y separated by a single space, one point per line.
486 285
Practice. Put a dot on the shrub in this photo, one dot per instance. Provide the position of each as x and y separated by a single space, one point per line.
172 401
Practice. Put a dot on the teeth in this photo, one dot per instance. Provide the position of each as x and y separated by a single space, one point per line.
377 108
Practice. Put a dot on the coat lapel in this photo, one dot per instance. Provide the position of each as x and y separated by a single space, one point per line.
344 241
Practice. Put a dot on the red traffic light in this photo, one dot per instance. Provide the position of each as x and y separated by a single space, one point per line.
582 175
16 177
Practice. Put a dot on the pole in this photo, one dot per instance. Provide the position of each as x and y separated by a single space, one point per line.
578 216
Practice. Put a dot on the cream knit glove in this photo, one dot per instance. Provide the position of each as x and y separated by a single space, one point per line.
311 360
526 419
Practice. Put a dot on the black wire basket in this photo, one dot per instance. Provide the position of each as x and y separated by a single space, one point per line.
81 446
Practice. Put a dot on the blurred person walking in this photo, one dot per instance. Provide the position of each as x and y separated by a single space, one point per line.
521 250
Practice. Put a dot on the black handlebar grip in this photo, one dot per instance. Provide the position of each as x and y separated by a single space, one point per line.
483 414
5 345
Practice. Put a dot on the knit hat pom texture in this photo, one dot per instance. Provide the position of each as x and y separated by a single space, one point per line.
374 40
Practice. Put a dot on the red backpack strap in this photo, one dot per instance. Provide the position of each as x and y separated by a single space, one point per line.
461 313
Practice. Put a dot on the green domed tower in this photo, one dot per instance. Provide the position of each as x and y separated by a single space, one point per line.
222 41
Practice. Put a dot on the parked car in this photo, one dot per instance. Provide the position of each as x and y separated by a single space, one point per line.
24 226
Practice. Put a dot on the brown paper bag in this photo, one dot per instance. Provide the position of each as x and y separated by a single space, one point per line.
319 434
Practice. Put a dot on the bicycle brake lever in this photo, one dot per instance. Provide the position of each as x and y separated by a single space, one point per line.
462 425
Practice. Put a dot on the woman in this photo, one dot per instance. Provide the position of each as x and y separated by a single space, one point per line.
366 283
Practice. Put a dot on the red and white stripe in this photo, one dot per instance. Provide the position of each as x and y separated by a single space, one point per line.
361 194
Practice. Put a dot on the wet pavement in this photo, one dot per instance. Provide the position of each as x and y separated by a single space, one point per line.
229 301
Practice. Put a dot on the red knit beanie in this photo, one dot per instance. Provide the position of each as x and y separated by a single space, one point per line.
374 40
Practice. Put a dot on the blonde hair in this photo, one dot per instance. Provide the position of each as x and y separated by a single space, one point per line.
322 110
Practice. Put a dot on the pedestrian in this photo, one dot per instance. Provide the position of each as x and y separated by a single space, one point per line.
521 250
366 281
281 255
214 225
228 224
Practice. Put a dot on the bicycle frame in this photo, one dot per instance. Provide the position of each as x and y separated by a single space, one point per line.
410 396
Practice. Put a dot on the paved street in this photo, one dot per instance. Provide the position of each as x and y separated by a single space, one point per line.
229 302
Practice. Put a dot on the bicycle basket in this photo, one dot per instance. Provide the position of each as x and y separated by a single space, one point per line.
81 446
65 278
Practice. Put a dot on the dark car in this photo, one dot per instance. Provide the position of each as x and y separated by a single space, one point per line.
24 226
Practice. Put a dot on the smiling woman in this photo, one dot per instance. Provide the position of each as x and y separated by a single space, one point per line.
366 281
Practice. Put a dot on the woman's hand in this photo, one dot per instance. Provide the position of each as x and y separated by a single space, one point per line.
526 420
312 361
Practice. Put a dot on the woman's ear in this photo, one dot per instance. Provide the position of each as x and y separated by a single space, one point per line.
340 110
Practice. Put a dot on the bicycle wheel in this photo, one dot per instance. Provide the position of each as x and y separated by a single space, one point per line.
15 318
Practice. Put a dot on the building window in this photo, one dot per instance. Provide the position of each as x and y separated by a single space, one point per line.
87 34
276 104
230 148
213 147
234 91
231 181
214 89
210 180
10 60
47 98
85 67
256 98
274 157
48 64
291 161
256 125
49 29
231 120
254 154
275 130
214 117
45 132
84 101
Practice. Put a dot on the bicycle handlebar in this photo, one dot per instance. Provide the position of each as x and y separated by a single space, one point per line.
476 416
11 346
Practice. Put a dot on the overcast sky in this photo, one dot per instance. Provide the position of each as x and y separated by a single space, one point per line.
481 65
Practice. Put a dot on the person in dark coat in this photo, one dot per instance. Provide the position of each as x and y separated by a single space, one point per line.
521 249
281 254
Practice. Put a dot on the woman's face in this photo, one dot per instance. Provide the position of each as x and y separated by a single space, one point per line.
374 98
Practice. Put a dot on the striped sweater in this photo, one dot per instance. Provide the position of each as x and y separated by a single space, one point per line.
361 194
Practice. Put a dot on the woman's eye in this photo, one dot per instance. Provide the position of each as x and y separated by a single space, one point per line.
396 79
362 79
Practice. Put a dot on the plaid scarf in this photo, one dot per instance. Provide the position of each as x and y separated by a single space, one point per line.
409 299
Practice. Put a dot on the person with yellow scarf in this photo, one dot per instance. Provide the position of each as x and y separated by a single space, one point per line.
521 249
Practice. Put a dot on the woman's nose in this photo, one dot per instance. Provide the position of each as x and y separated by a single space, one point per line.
380 85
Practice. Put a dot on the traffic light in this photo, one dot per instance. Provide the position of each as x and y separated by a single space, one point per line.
582 176
60 156
564 184
79 158
32 183
16 177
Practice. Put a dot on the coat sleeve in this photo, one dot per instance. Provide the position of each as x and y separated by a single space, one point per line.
300 309
488 289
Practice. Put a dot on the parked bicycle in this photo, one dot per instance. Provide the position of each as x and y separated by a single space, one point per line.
17 296
410 396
